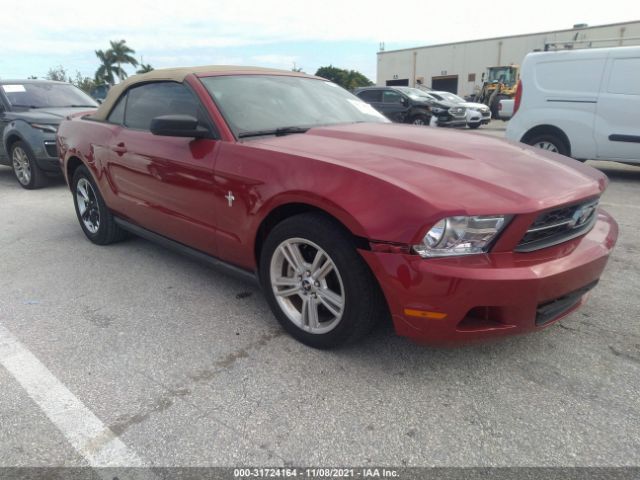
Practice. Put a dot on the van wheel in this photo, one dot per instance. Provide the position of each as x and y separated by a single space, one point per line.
549 142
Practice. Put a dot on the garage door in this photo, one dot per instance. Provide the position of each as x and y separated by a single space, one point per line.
447 83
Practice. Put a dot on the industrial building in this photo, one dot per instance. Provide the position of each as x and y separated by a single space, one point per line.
461 67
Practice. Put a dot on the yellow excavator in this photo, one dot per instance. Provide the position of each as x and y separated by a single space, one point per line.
498 83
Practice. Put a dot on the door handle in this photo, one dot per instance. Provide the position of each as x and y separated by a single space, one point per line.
120 148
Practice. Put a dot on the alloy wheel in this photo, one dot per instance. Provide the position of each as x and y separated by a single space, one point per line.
307 285
21 165
88 207
544 145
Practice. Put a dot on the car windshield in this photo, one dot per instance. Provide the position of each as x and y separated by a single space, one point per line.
268 103
415 93
451 97
43 95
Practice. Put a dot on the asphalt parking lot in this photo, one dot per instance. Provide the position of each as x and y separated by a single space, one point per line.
188 367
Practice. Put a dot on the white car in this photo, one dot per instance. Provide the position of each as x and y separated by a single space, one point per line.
477 113
581 103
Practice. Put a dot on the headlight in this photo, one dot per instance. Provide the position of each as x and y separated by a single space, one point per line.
438 110
457 110
461 236
45 127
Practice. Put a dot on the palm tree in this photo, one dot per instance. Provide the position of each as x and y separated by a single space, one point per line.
105 72
122 54
144 68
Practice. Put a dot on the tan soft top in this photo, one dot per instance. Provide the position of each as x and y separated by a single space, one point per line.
176 75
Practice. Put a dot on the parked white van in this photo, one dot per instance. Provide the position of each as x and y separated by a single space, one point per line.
581 103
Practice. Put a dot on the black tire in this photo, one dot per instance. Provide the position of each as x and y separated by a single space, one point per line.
557 143
25 168
107 230
420 120
473 126
363 303
495 106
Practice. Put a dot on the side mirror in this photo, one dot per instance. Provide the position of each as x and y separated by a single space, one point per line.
178 126
405 102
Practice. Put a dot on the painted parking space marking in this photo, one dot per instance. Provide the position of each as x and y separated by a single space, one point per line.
92 439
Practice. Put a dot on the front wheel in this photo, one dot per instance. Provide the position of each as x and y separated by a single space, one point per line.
95 219
549 142
25 168
473 126
420 120
319 288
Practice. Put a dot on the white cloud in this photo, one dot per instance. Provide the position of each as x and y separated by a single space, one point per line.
74 26
198 32
275 60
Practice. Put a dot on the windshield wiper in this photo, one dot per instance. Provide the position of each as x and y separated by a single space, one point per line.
25 106
78 106
278 132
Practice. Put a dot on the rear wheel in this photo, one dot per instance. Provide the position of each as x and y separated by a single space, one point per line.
549 142
319 288
25 168
95 219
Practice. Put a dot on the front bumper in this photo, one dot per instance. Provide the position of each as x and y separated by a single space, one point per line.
486 296
452 121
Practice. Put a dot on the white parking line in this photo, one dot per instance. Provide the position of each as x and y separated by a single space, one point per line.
84 431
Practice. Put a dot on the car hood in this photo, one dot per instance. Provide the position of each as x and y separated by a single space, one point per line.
50 115
457 172
474 105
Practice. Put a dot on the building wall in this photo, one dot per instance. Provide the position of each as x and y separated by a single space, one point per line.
465 58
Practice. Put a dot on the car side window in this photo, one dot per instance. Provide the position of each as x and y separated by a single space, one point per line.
370 96
151 100
117 113
389 96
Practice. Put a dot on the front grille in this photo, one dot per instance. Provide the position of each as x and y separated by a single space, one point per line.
51 148
549 311
559 225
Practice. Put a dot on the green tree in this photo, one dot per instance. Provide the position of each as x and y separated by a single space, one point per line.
111 61
105 72
59 74
122 54
86 84
348 79
144 68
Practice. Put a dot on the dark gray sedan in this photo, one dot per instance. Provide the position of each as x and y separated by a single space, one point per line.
30 112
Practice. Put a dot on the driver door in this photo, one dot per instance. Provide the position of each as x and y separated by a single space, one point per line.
395 106
164 183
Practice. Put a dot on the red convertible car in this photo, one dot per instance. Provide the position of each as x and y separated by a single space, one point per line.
343 217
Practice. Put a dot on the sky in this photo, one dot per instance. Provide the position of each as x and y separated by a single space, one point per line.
38 35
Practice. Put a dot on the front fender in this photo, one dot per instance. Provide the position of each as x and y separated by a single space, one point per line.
21 130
